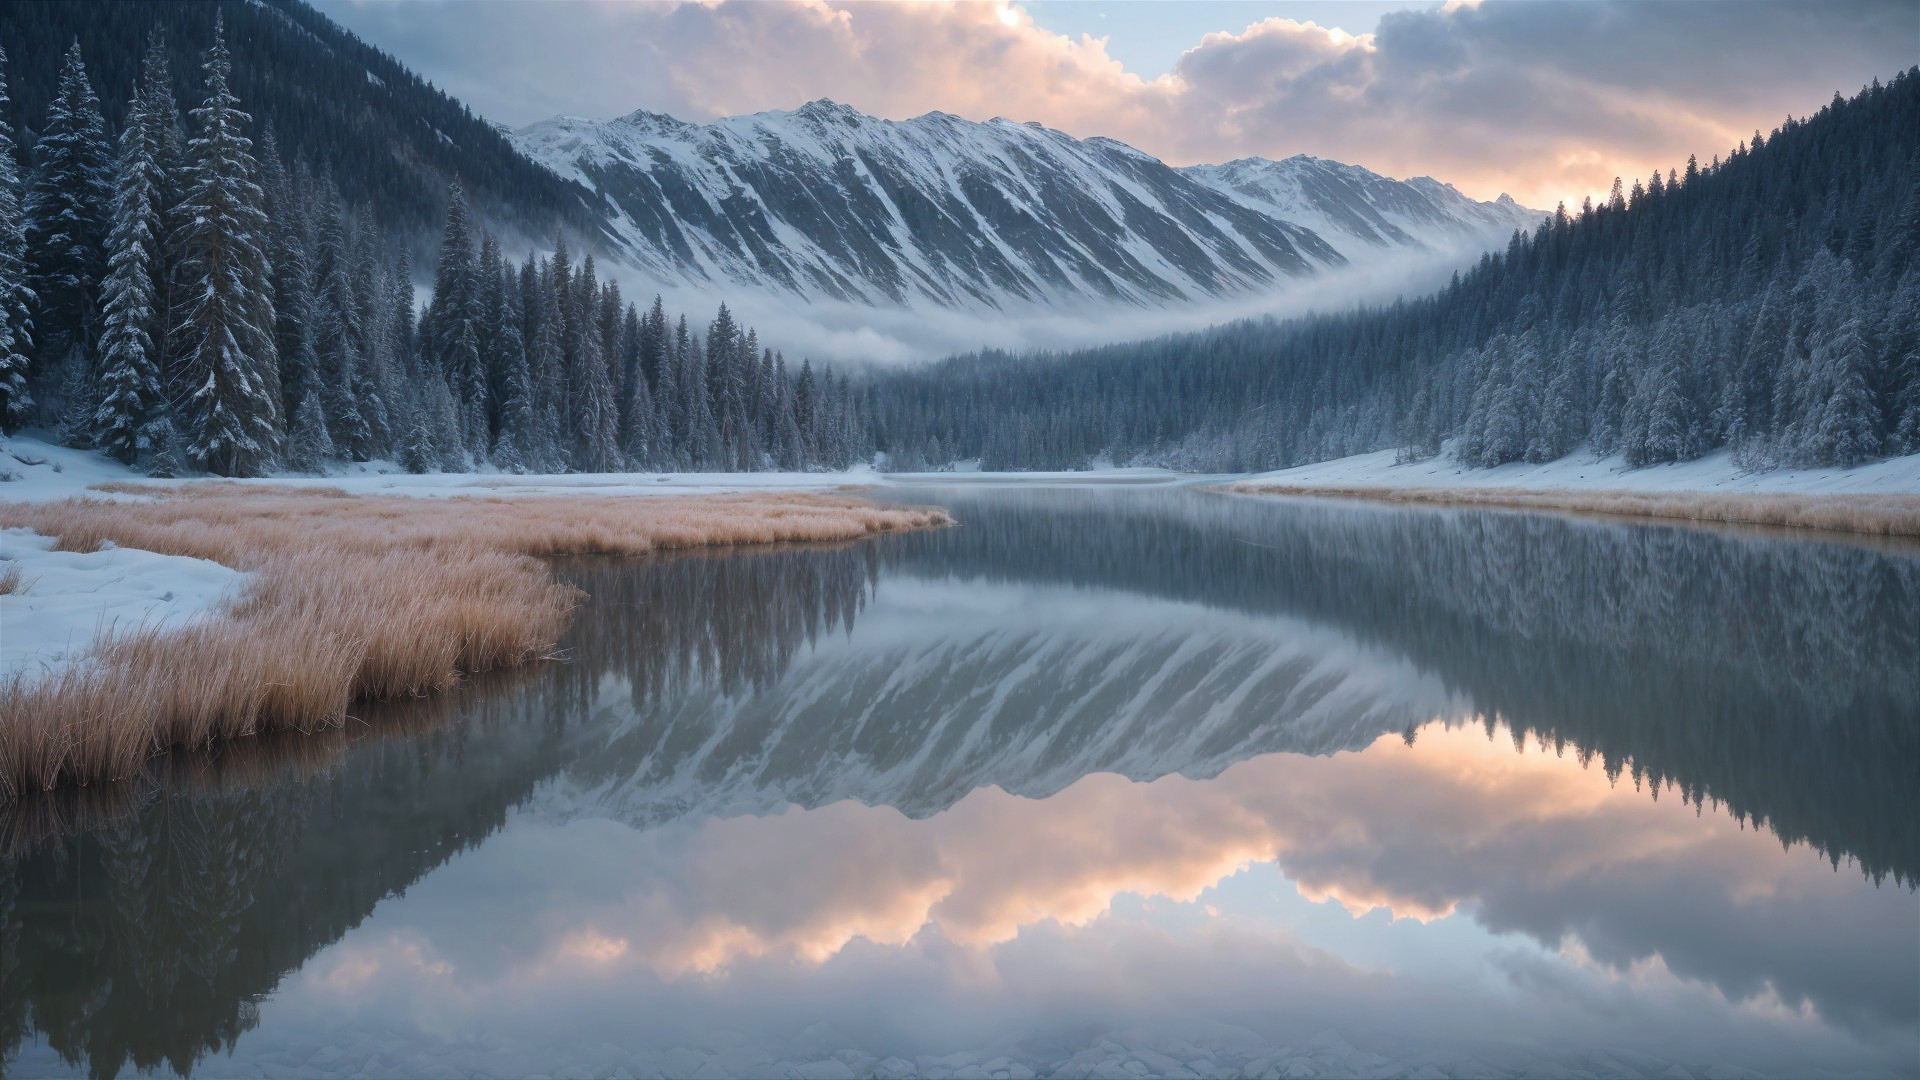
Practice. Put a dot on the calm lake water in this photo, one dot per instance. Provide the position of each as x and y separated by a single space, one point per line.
1103 782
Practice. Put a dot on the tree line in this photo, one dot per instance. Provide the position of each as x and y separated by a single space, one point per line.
1767 303
178 301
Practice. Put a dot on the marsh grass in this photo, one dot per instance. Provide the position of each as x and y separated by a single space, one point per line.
1872 515
10 581
352 598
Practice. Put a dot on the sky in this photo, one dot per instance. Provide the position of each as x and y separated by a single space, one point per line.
1547 100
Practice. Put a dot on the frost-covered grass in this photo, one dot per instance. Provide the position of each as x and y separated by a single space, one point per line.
351 597
1881 498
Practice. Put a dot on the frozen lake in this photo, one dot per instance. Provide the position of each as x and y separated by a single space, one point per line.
1106 781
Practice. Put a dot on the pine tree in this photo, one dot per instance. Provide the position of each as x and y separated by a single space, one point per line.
1902 339
288 213
1845 428
66 214
133 393
16 296
455 298
229 357
309 445
595 416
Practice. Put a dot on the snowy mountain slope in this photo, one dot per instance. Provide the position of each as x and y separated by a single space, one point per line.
1353 208
825 203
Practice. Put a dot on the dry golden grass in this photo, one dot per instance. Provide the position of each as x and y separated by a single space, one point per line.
9 581
1873 515
353 598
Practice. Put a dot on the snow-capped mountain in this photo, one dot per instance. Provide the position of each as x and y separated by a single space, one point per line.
1351 207
824 202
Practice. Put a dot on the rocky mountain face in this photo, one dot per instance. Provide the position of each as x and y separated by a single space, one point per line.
824 202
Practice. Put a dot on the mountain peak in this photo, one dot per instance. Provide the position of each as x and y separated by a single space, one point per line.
827 109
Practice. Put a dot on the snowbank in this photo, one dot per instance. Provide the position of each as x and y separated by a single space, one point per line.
65 600
1581 471
34 469
1881 499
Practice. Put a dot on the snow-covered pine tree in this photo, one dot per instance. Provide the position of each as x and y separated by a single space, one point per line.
417 452
338 332
470 391
66 215
288 222
595 417
133 395
16 296
309 445
639 430
454 296
787 444
1844 428
1902 339
375 385
670 398
231 366
806 413
518 446
444 416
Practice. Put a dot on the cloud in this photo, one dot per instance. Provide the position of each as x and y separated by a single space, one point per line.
1546 101
1615 884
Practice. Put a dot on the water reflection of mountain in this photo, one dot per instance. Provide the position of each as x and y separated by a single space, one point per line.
1775 677
942 689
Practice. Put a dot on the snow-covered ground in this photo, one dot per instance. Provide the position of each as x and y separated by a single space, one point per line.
64 601
1581 471
35 470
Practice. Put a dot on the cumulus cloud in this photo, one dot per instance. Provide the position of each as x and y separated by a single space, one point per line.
1545 101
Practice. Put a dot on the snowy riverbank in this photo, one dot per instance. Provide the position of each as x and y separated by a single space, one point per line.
1580 471
1878 499
62 602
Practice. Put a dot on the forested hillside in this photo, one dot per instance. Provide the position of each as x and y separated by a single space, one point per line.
389 140
1768 302
181 297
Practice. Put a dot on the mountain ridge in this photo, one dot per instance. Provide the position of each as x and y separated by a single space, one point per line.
826 202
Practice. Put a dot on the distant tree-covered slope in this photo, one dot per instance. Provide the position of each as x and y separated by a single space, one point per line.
1768 302
391 140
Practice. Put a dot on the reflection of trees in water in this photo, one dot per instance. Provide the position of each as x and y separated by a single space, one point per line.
142 928
1776 677
141 923
723 622
149 938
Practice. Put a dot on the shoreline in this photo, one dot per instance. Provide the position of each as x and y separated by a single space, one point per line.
1854 513
347 598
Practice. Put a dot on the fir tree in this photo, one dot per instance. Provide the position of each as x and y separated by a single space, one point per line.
133 394
231 366
16 296
66 214
309 444
594 413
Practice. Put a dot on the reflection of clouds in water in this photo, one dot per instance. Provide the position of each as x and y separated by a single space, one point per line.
1633 902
